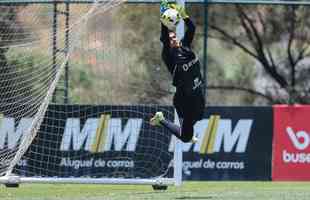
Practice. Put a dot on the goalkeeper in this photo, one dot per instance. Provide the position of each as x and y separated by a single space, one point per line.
184 67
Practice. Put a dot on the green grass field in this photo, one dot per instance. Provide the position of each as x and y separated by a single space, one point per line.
189 190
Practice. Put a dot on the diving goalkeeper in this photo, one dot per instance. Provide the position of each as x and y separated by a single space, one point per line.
184 67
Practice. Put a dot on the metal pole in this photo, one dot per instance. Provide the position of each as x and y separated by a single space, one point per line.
178 148
54 44
205 50
66 99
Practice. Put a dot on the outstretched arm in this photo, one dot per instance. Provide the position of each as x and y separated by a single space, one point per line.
164 36
190 32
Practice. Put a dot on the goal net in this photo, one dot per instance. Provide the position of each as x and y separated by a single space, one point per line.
63 68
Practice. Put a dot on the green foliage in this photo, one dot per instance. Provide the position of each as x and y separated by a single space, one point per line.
149 79
22 81
144 76
129 69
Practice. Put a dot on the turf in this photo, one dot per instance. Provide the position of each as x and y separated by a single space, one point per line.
189 190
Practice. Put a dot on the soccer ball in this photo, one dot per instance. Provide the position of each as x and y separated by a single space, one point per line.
170 18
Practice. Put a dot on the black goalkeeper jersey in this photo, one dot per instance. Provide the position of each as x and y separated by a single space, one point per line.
182 62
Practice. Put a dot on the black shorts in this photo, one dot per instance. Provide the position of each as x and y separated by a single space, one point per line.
189 107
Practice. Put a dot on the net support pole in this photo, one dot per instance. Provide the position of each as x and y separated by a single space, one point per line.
205 50
66 84
178 148
54 55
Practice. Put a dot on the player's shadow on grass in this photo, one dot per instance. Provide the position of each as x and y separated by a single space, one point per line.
193 198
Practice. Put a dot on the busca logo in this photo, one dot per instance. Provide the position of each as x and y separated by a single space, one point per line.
300 139
217 134
291 143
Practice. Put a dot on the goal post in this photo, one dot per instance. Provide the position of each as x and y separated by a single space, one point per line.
102 151
43 141
178 149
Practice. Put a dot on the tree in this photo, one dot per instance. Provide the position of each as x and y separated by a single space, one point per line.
7 17
277 37
149 79
12 78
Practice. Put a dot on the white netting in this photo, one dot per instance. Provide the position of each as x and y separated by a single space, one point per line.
48 138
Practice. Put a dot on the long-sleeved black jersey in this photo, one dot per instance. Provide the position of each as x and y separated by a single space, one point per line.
182 62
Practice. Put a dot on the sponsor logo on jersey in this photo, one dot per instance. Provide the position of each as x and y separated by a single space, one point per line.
188 65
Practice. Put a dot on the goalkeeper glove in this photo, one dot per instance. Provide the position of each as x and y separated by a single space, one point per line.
164 5
180 9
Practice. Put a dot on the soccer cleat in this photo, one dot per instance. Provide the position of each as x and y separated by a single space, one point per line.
158 117
194 139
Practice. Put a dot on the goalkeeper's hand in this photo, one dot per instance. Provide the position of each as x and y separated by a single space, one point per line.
180 9
164 5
